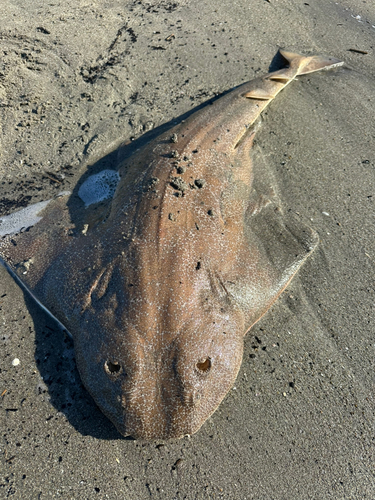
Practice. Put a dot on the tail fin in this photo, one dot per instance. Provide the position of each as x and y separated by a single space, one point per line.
305 65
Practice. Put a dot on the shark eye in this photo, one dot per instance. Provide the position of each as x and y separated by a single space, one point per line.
204 366
112 368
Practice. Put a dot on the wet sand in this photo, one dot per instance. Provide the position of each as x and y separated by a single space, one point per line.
77 79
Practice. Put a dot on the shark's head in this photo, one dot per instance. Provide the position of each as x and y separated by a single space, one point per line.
158 383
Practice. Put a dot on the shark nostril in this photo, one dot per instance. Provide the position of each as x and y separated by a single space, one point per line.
113 368
204 366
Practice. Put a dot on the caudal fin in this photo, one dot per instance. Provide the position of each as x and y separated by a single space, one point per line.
309 64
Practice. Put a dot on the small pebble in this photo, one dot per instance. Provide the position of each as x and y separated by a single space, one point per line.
200 183
16 362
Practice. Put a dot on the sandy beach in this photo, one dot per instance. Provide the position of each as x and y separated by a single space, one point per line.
78 80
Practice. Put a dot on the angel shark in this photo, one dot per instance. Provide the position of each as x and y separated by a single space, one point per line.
159 292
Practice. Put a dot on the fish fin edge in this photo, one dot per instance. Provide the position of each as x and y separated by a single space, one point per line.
309 64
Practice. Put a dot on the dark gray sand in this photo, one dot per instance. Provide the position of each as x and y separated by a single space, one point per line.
77 79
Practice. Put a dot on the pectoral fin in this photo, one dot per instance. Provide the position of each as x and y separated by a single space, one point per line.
275 246
33 237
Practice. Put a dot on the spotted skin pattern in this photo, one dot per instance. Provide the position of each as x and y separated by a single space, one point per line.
159 292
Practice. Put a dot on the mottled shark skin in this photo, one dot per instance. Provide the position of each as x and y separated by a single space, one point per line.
159 293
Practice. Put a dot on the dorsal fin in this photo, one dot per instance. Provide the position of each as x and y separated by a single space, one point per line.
259 94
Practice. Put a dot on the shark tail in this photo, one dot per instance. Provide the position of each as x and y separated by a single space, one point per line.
304 65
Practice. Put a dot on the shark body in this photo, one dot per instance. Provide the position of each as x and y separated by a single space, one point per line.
159 294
